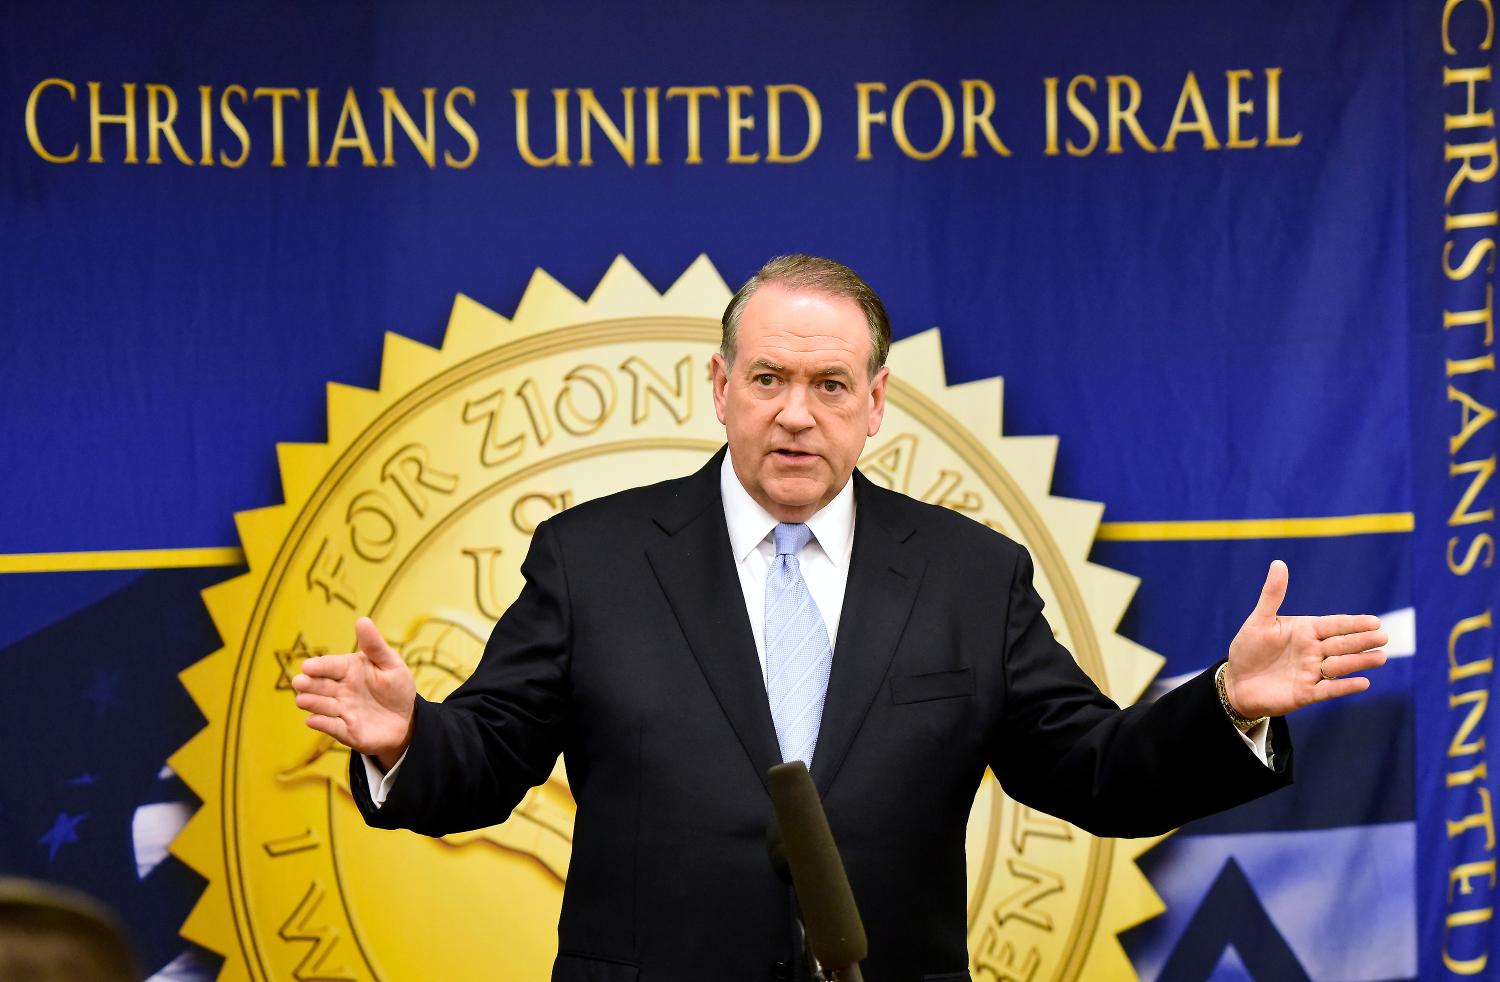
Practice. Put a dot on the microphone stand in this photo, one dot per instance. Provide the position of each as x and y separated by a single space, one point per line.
815 969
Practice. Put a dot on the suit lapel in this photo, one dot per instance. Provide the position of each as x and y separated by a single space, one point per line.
883 580
696 571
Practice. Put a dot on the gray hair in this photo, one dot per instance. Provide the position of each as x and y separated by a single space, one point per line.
812 274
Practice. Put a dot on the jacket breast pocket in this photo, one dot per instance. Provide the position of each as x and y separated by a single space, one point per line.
584 968
933 685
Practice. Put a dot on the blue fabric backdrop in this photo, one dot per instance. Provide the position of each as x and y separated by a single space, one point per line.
1215 334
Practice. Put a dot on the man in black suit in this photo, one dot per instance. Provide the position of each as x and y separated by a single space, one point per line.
675 641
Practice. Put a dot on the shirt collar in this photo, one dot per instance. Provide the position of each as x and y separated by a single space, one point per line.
749 524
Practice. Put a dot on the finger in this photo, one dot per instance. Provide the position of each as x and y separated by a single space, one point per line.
335 728
326 667
1333 625
1348 644
1361 661
373 645
1335 688
321 705
317 686
1272 594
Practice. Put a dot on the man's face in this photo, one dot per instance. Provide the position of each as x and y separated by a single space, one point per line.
798 402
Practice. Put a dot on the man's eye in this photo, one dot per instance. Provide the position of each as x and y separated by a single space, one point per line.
832 386
765 378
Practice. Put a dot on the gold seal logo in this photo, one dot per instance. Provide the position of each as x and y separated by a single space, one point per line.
417 512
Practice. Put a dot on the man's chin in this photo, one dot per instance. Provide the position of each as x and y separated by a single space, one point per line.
796 496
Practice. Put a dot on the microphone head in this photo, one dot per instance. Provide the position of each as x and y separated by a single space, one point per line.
834 929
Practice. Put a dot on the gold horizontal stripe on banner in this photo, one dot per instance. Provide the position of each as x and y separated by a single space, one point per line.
1256 528
71 562
1184 531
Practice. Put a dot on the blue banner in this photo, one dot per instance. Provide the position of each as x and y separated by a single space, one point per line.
1453 454
1234 265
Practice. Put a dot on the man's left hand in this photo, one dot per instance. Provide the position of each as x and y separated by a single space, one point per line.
1278 664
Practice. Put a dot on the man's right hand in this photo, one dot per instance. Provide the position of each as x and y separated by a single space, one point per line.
364 700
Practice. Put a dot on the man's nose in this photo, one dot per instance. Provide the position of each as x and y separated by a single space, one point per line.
796 412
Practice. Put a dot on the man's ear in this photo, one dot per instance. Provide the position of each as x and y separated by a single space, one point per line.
877 400
718 370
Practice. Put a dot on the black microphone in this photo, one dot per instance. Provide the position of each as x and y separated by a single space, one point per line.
834 933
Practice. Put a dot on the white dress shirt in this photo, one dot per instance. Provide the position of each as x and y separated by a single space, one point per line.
824 560
825 568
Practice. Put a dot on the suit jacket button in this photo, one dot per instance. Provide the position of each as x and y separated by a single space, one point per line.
781 971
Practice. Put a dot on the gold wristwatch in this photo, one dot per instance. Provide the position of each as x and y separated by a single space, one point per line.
1241 723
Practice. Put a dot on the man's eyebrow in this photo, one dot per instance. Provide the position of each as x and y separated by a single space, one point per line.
763 365
833 371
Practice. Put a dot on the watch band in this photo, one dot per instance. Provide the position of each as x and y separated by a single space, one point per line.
1242 723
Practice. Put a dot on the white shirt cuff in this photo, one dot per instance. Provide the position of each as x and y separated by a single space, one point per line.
380 784
1255 739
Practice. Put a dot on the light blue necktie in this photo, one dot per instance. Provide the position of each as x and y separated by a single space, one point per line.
798 655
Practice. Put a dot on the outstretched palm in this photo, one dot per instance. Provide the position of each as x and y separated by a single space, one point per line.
364 699
1278 664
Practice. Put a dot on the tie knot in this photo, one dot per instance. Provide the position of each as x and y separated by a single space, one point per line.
791 538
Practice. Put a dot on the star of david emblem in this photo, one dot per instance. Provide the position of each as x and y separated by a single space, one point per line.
290 660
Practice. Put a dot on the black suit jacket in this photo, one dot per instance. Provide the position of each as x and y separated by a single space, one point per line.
629 651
